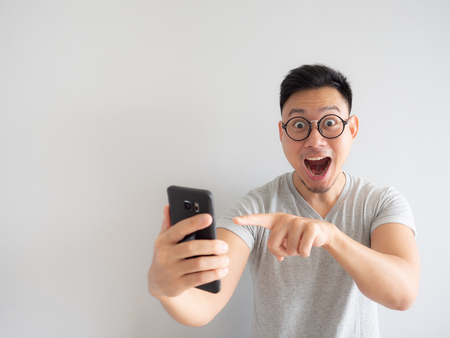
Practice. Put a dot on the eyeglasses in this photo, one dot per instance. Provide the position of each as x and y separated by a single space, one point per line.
330 126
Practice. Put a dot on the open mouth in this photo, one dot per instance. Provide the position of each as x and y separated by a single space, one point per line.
317 166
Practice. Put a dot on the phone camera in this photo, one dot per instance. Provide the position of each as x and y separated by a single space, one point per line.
187 205
196 207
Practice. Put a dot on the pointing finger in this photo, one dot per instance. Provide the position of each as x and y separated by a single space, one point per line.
263 220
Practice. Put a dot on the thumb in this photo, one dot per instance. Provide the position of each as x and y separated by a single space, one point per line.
166 220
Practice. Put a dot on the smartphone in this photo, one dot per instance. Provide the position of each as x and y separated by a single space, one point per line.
187 202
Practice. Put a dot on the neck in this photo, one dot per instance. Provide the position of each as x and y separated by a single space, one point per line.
321 202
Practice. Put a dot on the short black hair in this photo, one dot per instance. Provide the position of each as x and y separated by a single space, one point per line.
313 77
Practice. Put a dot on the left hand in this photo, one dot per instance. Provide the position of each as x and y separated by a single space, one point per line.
291 235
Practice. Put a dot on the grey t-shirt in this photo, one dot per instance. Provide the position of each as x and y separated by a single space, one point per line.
314 296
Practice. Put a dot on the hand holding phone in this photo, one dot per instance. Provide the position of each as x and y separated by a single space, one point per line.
188 202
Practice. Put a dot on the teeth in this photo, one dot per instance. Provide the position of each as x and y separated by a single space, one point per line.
315 158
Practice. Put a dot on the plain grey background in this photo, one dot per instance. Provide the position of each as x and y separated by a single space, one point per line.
103 104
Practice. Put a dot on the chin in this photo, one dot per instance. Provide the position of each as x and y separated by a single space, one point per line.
317 189
318 186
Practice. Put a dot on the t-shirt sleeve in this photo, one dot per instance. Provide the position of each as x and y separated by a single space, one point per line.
249 204
393 208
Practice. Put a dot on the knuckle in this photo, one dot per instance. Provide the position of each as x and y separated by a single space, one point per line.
273 251
304 253
292 252
199 263
203 278
270 243
281 217
300 222
158 243
161 258
170 236
189 247
313 230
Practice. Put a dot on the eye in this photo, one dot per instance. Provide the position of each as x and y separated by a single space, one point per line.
330 122
299 124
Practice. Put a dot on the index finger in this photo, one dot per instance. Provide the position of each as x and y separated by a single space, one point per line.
188 226
263 220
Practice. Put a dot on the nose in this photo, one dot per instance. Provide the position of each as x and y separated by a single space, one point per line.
315 138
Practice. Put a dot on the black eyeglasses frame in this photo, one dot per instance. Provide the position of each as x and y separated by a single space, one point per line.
344 123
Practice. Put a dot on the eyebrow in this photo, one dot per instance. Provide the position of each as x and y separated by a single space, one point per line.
302 111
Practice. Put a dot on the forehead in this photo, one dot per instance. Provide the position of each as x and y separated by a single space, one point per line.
315 101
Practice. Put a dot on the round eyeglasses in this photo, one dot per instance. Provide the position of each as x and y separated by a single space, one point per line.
330 126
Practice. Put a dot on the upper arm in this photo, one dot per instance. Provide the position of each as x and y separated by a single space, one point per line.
238 254
398 240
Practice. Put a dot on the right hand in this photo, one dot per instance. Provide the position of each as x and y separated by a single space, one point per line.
171 273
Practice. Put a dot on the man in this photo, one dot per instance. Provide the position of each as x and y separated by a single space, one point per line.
323 246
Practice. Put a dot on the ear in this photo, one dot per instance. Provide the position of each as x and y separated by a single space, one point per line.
353 125
280 130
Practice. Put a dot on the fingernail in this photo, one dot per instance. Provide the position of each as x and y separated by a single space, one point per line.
223 272
223 247
204 218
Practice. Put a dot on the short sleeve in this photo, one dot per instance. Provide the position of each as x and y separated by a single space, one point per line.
249 204
393 208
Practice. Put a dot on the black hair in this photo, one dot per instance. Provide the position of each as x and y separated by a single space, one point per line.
313 77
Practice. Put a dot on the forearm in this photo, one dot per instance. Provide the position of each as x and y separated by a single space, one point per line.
192 308
174 289
383 277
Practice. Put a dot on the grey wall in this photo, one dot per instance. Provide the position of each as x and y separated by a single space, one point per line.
103 104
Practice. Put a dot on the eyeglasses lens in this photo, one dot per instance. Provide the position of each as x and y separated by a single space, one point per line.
330 126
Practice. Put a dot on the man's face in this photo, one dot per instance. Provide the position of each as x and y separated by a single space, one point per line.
318 161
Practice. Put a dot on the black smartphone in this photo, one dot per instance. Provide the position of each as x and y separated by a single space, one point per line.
187 202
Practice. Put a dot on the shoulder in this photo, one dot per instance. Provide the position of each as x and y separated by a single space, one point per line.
256 201
368 190
384 204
